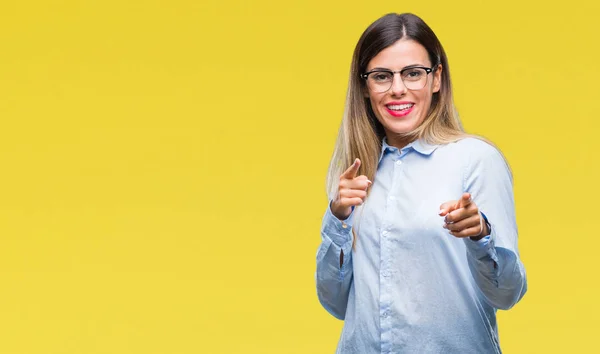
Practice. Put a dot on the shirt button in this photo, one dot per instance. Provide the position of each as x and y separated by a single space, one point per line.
344 225
398 162
385 233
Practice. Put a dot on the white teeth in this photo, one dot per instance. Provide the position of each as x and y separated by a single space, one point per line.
400 107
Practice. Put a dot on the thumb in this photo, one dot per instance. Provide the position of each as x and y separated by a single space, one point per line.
447 207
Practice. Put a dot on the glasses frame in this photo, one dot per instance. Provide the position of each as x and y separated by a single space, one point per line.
428 71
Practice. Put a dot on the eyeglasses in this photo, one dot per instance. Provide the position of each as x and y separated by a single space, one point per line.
414 78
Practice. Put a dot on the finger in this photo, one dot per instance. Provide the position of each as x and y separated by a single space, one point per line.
360 182
352 170
353 193
463 224
470 232
462 213
348 202
356 183
447 207
464 201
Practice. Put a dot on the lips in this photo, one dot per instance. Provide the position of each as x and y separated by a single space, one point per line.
399 109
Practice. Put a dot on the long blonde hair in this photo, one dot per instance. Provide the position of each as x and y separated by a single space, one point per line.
361 134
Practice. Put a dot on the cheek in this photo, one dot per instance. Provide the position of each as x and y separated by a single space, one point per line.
426 96
376 105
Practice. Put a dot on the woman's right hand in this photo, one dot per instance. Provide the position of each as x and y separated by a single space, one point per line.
352 191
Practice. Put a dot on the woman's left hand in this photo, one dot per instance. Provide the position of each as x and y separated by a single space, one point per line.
462 218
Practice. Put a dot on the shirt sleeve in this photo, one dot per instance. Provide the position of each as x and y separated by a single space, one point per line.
333 281
494 260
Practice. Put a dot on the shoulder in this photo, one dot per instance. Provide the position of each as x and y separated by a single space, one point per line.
474 154
474 149
483 158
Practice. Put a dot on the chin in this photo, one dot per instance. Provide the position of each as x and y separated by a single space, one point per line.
401 127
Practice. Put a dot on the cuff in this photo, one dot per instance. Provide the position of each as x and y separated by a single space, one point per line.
481 248
339 231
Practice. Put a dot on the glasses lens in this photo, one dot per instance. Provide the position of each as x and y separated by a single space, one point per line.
380 81
414 78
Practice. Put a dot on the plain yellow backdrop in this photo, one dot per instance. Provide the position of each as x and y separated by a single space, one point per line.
163 166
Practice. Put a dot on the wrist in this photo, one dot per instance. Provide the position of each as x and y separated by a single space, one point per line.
485 228
340 213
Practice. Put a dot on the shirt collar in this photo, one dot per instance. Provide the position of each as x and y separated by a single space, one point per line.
419 145
422 147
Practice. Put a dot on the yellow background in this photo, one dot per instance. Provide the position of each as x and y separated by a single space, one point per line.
163 166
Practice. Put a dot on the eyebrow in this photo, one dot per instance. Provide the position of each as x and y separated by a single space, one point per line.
406 67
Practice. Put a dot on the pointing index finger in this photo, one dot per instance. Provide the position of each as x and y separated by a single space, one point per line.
465 200
352 171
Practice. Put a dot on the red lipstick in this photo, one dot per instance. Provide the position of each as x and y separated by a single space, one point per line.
399 113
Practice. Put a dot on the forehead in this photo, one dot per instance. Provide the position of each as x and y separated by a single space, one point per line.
400 54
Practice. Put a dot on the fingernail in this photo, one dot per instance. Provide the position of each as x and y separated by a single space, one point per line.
441 212
445 226
369 182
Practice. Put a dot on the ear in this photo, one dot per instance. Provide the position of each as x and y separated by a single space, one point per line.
437 78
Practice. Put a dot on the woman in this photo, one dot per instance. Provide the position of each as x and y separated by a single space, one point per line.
419 242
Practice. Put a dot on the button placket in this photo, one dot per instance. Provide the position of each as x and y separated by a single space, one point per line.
387 253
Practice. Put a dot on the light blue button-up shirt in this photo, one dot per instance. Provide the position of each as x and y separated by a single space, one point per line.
408 285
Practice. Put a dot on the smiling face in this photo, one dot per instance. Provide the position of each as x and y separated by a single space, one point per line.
401 110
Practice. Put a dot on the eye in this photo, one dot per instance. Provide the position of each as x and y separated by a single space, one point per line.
413 74
381 76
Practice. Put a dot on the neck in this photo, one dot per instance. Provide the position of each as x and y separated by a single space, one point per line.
399 140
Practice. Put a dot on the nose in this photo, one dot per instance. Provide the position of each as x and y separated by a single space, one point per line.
398 88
